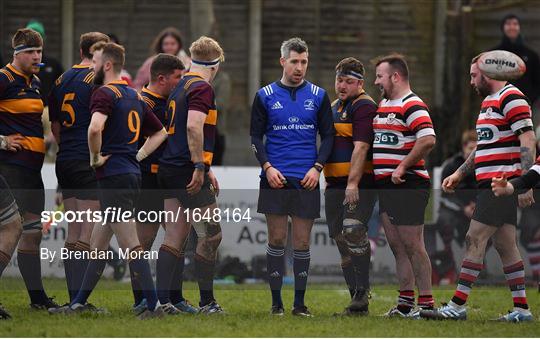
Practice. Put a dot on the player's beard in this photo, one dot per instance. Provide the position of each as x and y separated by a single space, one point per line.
385 93
483 88
99 77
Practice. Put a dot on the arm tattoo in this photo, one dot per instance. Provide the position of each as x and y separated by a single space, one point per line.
468 165
527 158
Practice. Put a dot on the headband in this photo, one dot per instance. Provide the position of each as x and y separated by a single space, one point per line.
350 74
207 64
23 48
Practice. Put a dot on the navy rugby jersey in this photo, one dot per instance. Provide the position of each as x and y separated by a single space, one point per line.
158 105
21 109
289 118
69 104
191 93
128 118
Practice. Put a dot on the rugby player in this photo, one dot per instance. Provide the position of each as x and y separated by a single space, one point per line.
119 117
165 73
289 113
10 231
22 151
404 136
69 113
506 148
349 195
185 176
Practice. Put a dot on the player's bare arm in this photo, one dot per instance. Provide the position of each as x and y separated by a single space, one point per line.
195 137
450 183
94 139
421 149
358 159
528 154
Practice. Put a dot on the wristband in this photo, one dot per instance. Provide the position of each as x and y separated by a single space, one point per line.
3 142
267 168
319 168
141 155
199 166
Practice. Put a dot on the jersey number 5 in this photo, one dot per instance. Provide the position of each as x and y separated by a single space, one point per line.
134 125
68 109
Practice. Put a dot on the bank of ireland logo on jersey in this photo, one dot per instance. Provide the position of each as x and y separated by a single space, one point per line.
309 104
293 120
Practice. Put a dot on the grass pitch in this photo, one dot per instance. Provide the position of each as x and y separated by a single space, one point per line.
247 308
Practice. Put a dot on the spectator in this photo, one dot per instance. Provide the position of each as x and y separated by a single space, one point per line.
168 41
512 41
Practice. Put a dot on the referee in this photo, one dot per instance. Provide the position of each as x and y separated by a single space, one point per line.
289 113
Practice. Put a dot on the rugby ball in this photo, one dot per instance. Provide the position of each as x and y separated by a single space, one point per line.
501 65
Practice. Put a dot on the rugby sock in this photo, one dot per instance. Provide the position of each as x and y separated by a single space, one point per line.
165 268
136 288
79 266
142 273
426 302
4 261
68 269
533 253
175 290
94 270
30 268
467 276
515 277
405 301
349 275
204 270
275 266
301 259
361 268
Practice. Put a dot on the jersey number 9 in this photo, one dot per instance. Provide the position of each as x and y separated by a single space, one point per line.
134 125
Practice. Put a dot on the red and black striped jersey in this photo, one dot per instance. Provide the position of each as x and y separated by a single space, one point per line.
397 126
21 109
353 121
503 116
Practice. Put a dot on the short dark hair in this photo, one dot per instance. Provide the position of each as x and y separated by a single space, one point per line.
397 63
164 64
350 64
89 39
111 52
293 44
27 37
158 41
507 17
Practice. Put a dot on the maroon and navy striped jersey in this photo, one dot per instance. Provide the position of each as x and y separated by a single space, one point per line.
128 118
397 126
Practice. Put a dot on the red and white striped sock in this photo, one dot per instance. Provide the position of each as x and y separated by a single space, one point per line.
515 277
467 276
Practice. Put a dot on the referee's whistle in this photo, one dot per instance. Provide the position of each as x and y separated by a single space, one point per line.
41 64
